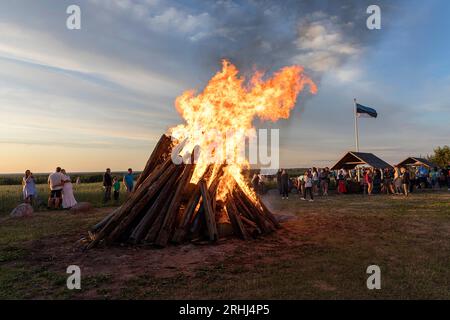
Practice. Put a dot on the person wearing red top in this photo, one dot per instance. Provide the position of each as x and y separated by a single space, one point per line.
368 180
341 182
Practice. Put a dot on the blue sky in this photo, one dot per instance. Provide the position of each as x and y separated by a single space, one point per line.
101 96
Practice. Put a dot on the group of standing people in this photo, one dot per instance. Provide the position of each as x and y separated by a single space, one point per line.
60 185
112 183
435 178
396 181
312 182
403 180
61 189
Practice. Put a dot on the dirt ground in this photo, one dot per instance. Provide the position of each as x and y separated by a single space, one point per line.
321 251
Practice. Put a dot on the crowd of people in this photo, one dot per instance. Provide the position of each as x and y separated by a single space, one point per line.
404 180
313 182
61 190
396 181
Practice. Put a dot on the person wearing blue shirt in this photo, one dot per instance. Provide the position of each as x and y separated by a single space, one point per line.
423 174
128 180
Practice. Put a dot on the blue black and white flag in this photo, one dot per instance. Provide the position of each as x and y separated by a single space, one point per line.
365 112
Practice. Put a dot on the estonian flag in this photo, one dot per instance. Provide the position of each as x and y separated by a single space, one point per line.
365 112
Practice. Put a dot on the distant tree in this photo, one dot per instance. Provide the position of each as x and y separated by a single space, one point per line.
441 156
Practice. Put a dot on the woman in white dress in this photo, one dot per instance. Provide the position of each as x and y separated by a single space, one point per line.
29 187
68 198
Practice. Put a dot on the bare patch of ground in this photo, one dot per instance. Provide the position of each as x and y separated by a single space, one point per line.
321 251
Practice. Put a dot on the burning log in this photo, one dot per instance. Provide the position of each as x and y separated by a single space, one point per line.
209 213
141 204
186 217
168 207
149 217
236 219
170 218
163 147
269 215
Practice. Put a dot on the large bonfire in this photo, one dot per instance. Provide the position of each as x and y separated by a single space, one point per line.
192 187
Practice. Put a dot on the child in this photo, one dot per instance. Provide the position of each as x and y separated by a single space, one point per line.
308 178
116 187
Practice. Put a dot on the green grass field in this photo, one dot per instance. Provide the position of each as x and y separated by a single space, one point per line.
322 253
11 195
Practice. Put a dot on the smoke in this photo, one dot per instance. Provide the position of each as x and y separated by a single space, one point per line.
320 35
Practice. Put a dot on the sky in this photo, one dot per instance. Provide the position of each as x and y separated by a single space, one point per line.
102 96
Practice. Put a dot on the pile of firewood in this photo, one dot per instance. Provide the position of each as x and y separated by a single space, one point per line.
166 208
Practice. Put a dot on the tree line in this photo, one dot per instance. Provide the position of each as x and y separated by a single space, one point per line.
441 156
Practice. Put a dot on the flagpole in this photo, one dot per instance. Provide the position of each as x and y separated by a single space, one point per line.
356 128
356 139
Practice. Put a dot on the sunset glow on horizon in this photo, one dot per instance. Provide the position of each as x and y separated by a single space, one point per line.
102 96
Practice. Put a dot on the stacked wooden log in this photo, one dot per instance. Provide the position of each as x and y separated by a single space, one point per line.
165 207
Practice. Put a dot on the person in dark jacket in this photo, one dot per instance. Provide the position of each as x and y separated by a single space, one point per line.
405 180
388 185
284 185
448 177
107 184
279 181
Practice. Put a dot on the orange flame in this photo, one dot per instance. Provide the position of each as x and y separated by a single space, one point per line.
218 118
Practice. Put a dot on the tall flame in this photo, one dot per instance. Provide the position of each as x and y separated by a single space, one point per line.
225 110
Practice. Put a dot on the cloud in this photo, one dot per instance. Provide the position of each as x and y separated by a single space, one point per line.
24 44
139 7
164 17
323 46
176 20
39 106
